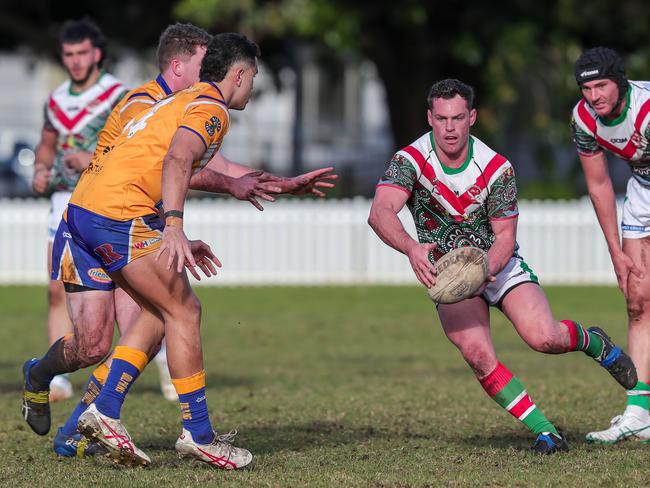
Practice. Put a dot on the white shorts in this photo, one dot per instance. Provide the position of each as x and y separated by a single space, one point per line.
636 211
58 203
514 274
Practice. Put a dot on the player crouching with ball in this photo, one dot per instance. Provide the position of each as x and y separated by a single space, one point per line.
462 193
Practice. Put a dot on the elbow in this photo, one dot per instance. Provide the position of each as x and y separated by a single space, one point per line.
373 218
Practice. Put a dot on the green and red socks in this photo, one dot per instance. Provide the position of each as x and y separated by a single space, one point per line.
580 339
507 391
639 396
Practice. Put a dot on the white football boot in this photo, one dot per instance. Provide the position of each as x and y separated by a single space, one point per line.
633 424
220 453
60 388
111 434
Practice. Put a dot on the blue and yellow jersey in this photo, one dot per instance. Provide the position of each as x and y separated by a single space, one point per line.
125 182
133 103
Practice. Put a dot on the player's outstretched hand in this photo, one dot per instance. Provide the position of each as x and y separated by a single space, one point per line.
204 258
178 247
311 183
424 269
623 266
255 185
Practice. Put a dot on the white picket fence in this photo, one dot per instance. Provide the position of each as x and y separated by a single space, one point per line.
323 242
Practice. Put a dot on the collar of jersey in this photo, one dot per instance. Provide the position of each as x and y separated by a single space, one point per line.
461 168
620 118
163 84
222 99
76 94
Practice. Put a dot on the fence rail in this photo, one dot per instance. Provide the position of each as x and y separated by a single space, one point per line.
323 242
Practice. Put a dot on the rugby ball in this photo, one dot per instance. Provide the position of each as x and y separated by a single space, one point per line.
460 273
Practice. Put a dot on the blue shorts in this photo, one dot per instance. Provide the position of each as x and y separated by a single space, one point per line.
73 265
112 244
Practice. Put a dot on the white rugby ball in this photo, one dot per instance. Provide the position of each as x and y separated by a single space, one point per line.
460 273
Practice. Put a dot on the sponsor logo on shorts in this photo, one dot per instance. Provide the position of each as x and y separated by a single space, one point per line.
67 235
99 275
146 243
108 255
633 228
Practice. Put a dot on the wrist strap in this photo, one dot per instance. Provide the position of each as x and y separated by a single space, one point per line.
174 213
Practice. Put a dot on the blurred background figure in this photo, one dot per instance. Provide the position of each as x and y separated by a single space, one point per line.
75 113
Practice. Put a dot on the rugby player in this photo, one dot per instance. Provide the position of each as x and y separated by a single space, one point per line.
112 216
93 300
462 193
613 116
75 113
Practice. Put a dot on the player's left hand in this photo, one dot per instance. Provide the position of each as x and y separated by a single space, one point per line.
204 258
176 243
252 186
309 183
77 161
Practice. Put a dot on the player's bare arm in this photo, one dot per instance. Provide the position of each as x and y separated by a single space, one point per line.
387 204
185 148
603 199
45 153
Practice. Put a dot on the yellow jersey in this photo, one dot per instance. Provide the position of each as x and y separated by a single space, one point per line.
125 181
134 102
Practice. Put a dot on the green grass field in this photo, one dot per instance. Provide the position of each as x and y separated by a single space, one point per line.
341 386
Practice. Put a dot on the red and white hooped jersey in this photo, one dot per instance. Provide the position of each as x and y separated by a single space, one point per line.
77 118
627 136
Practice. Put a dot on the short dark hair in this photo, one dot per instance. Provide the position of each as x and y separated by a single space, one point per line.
449 88
180 39
225 50
75 31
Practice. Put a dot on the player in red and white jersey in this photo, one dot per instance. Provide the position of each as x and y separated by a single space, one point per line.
75 113
462 193
614 116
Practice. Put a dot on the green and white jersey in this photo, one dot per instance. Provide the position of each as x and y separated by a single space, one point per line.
626 136
77 119
453 207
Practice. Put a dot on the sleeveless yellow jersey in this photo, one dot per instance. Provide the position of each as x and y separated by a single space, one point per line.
129 107
125 181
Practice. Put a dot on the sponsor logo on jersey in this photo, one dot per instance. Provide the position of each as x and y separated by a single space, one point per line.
590 72
213 124
618 140
99 275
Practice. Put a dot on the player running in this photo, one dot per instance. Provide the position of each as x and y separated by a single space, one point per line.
613 115
461 193
92 297
75 113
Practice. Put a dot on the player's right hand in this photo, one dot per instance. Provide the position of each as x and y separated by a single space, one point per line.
623 267
176 243
41 179
424 269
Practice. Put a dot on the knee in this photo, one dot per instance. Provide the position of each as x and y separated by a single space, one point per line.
637 306
190 309
92 345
